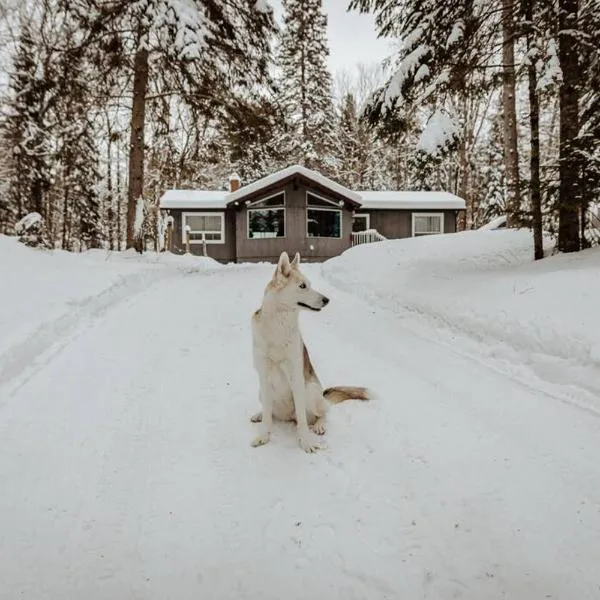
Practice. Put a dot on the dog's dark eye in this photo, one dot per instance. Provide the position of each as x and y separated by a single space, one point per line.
302 286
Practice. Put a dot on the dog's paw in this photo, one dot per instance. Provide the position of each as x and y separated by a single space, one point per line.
261 440
308 445
257 418
318 427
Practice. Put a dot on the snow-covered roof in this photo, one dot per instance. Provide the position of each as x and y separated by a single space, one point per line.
193 199
411 200
199 199
288 172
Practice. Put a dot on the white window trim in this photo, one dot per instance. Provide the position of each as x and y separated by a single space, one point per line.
255 202
329 237
281 237
203 214
363 215
422 214
323 198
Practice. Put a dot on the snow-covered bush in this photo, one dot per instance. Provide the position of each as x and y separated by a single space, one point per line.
32 231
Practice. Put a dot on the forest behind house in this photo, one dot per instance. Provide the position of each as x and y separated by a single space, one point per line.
106 104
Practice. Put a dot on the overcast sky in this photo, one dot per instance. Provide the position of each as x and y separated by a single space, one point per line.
352 36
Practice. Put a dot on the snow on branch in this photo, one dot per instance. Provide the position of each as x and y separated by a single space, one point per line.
409 65
263 6
439 133
457 33
32 231
27 222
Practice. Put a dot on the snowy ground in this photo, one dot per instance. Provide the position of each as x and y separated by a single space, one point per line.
480 290
127 470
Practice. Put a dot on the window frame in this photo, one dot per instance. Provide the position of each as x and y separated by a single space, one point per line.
221 215
366 216
263 199
322 198
252 203
333 203
427 214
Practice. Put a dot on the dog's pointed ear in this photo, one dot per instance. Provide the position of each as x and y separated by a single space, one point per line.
296 262
284 268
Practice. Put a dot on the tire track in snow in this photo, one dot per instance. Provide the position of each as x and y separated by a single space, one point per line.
23 360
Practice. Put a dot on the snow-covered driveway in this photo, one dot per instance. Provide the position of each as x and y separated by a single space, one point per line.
126 469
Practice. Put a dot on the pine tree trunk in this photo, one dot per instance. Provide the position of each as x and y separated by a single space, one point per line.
119 199
37 197
534 160
305 159
136 148
66 221
463 184
109 194
511 155
569 197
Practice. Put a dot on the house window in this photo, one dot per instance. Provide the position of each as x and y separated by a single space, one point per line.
204 227
322 220
266 217
427 223
361 222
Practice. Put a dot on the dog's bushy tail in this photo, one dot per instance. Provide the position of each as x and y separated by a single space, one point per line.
335 395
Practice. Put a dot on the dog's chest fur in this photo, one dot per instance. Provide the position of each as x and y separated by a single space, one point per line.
277 338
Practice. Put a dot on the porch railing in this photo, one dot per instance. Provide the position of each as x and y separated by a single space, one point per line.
366 237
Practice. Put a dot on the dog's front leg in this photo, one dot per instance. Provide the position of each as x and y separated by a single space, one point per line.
296 380
267 415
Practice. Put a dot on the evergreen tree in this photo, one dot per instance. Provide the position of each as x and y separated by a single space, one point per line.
529 10
491 186
569 199
253 129
77 152
588 143
25 132
306 85
349 143
441 65
192 50
509 93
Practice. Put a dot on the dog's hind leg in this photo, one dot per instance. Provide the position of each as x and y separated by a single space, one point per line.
319 426
316 408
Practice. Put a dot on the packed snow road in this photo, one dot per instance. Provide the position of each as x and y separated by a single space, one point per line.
127 471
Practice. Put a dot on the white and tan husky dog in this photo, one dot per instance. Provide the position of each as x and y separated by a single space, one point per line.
289 389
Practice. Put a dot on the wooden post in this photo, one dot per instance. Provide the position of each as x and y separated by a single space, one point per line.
187 239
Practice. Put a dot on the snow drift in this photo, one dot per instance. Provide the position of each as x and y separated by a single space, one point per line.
52 291
485 284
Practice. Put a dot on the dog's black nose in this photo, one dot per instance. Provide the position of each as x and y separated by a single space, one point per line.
325 301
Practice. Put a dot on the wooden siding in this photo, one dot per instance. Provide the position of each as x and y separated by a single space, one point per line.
295 240
394 224
221 252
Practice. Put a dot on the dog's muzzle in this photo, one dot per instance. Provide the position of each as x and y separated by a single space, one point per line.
324 302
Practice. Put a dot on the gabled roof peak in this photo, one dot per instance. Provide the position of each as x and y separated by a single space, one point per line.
315 176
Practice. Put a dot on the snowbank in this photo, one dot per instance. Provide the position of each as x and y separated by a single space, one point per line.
543 315
44 290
